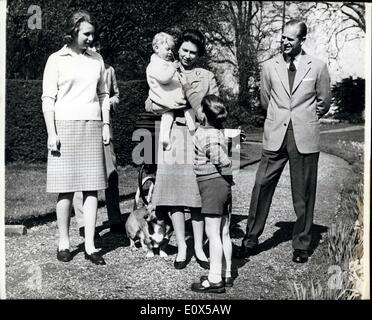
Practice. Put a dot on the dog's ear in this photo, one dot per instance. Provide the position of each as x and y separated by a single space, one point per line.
150 208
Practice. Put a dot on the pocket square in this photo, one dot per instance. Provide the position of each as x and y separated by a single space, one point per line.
308 79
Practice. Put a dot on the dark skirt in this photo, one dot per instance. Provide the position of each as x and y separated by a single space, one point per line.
80 164
215 196
175 183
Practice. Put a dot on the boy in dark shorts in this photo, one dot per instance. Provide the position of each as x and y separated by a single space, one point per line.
212 167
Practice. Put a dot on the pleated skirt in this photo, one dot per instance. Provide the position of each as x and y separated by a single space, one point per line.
80 164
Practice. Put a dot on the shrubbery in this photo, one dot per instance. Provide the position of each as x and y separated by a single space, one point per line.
349 99
26 136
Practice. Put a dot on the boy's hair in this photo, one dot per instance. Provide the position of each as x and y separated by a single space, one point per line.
161 38
214 110
73 23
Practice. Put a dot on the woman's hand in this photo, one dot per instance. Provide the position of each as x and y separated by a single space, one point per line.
53 142
106 134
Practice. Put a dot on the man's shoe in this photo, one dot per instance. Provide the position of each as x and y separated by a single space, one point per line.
64 255
209 287
300 256
95 257
82 233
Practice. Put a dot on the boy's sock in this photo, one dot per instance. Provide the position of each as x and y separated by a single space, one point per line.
214 277
226 273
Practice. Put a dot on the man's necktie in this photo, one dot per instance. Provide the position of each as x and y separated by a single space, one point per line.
292 67
291 73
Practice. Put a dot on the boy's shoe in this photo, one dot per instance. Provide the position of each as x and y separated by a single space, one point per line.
209 287
228 281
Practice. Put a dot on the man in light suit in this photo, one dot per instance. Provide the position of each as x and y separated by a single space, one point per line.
295 91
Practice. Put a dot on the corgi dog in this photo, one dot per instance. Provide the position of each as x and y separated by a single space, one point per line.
143 225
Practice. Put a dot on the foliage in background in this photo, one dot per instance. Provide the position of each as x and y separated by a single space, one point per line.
240 36
349 99
126 29
25 131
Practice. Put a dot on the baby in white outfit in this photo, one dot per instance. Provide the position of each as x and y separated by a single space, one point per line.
165 88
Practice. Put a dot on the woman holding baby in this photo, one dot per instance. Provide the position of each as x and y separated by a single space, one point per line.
176 186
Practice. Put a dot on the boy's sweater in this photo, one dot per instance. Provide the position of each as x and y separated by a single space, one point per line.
211 159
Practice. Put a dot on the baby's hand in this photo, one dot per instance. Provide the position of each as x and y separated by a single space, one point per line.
179 104
176 64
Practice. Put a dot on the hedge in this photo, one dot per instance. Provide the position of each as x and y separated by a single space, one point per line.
26 137
349 97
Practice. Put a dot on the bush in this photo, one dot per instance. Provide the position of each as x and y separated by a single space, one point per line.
349 99
25 131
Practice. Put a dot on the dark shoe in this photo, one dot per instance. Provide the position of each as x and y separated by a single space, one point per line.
180 264
245 252
95 257
64 255
227 282
202 263
209 287
82 233
118 228
300 256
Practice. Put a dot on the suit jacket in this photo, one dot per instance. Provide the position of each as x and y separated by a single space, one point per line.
112 86
305 105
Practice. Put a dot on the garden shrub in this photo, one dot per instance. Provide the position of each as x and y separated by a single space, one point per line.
349 99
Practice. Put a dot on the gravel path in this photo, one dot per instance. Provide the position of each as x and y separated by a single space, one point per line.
33 272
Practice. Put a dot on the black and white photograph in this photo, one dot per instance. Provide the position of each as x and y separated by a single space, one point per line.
200 153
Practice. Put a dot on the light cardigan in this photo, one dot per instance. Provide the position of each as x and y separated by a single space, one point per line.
77 84
165 88
200 82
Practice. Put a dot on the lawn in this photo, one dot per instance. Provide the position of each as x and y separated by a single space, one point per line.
347 145
25 194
